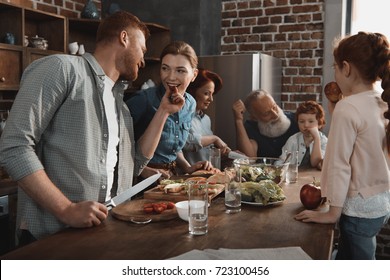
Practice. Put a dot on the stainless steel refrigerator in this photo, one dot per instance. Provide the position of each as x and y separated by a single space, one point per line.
241 74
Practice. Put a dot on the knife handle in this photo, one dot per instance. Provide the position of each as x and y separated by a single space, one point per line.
109 205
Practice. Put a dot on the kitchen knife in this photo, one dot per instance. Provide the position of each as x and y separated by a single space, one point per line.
235 155
127 194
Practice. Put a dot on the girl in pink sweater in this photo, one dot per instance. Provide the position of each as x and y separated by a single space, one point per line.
355 174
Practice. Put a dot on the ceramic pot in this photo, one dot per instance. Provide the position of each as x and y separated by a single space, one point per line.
9 38
38 42
45 44
73 47
26 41
81 50
90 10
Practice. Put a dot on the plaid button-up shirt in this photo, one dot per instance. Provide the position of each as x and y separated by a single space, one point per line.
58 123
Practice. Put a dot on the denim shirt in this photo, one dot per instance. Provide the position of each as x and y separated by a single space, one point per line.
144 104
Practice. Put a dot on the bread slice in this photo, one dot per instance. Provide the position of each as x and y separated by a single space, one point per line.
174 188
219 178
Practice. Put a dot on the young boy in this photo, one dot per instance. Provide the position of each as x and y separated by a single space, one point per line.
310 142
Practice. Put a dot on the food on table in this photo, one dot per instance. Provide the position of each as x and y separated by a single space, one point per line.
212 187
262 172
180 186
219 178
333 92
157 207
165 182
169 181
205 172
310 195
196 179
265 192
174 188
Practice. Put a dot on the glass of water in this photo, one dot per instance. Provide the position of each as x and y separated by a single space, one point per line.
198 202
292 171
232 190
215 157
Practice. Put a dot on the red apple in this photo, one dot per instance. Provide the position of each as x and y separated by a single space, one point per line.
310 196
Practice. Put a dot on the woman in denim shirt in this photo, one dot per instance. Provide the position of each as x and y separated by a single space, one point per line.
178 69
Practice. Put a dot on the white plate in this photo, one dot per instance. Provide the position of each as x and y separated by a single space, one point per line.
261 204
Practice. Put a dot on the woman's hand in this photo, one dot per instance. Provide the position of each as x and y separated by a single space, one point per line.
222 146
204 165
172 101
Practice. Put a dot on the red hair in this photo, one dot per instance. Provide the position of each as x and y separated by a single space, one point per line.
311 107
205 76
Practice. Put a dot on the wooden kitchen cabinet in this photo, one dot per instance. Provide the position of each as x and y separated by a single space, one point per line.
14 58
28 22
34 54
11 66
82 31
45 25
60 31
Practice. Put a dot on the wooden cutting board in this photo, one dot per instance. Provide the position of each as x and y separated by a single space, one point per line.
134 210
157 194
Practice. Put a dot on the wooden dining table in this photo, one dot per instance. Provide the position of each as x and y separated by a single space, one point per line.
255 226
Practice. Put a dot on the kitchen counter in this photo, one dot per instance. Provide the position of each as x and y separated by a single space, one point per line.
254 227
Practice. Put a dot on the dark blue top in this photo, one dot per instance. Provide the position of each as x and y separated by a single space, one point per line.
270 147
144 104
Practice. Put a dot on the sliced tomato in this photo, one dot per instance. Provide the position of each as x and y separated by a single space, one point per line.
170 205
148 210
158 209
163 205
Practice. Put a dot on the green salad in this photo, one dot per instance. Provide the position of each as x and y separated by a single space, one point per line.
265 192
260 173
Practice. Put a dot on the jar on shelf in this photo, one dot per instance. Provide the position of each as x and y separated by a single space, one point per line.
26 42
90 10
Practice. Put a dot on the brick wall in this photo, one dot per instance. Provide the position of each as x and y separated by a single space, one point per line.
292 30
67 8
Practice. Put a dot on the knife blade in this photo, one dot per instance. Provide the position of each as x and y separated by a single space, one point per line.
127 194
235 155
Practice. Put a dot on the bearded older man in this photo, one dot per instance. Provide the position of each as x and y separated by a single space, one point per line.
268 128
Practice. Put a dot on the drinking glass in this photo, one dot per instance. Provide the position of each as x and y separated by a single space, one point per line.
198 202
292 171
232 190
215 157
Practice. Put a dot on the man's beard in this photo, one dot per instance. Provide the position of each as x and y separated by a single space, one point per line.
275 128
